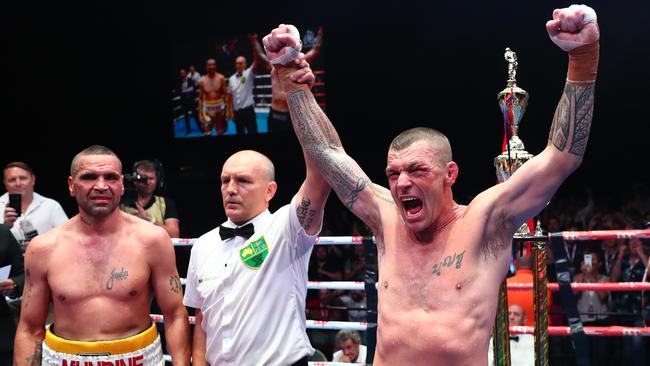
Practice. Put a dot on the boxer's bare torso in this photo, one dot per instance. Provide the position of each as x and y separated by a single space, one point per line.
437 299
100 283
213 87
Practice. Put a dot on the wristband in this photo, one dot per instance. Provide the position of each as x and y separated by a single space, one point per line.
583 63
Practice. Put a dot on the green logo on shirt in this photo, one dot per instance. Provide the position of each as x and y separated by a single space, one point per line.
253 254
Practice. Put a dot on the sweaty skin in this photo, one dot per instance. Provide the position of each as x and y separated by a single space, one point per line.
100 269
441 263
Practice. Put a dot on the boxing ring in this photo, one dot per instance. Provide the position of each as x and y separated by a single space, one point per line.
541 330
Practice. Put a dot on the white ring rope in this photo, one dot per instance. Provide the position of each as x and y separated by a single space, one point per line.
168 358
321 240
311 324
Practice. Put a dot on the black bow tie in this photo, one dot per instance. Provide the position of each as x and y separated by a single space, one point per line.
514 338
245 231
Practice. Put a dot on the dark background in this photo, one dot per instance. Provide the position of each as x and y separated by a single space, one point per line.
100 73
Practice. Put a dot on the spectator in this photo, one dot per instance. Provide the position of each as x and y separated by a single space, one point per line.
593 306
349 347
39 214
522 346
355 264
356 304
158 210
574 251
611 247
323 266
327 306
630 265
189 107
10 254
524 298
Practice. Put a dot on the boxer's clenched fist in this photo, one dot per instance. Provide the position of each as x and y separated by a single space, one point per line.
573 27
283 45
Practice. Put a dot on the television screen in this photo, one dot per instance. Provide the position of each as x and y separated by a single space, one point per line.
222 87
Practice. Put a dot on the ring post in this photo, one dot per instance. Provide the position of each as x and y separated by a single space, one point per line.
540 304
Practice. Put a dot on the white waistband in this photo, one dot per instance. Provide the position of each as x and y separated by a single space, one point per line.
149 356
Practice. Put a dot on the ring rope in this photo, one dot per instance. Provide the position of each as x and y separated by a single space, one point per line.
168 358
614 330
567 235
311 324
553 286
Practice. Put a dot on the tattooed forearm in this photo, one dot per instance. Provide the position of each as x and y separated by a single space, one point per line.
322 145
175 284
117 276
305 215
35 359
572 120
455 260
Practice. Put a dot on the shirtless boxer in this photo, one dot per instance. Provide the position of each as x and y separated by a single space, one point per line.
100 269
441 263
214 105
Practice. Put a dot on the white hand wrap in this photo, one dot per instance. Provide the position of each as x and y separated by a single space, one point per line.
290 53
588 16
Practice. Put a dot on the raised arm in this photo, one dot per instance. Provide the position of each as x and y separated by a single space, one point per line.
320 141
36 297
575 30
169 295
259 58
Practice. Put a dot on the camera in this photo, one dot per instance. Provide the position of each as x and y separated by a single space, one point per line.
130 192
135 177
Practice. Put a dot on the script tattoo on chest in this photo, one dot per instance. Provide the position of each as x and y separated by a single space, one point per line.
455 260
116 276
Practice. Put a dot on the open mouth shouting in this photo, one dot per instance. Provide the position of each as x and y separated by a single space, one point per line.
412 207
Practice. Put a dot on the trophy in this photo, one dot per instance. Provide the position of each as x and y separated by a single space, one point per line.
513 101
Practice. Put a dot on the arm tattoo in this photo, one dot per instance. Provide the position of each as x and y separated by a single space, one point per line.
321 143
305 215
573 116
584 97
35 359
175 284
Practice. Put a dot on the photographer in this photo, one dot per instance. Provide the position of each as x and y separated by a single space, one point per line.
158 210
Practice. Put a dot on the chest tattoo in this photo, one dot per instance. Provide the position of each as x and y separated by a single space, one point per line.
116 276
455 260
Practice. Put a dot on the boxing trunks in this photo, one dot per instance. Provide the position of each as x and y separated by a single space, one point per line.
142 349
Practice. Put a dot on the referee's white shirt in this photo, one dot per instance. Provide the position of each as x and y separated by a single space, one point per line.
241 89
253 316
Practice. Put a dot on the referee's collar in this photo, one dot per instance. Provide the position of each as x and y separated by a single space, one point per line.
258 221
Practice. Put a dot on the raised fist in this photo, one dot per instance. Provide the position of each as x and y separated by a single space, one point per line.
283 45
573 27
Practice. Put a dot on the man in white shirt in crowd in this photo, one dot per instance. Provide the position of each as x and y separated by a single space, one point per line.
522 346
38 214
247 279
350 348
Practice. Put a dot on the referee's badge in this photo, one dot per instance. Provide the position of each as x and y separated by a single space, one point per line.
253 254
